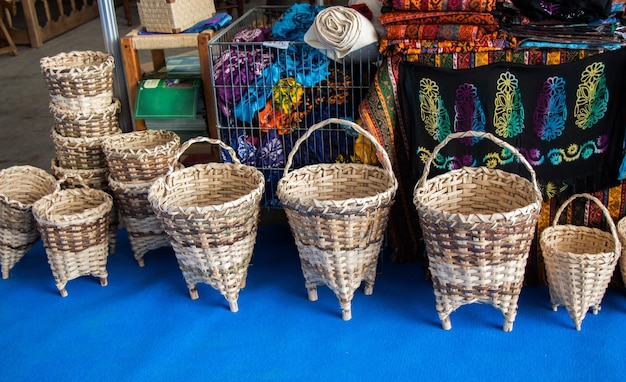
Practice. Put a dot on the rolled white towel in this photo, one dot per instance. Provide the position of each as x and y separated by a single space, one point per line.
340 30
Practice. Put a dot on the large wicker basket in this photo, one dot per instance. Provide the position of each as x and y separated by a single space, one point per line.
210 213
478 225
79 79
579 261
77 123
20 187
144 230
338 214
74 228
140 156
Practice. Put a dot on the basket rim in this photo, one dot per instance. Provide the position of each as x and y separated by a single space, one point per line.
289 200
48 217
475 217
113 144
53 64
40 172
157 199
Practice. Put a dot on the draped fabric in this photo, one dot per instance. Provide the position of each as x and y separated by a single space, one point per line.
380 114
567 120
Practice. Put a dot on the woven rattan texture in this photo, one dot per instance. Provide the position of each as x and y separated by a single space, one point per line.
478 225
173 16
79 79
338 215
74 227
20 187
210 213
79 153
580 262
86 123
140 156
144 230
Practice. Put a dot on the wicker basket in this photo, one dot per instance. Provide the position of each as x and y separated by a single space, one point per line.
74 228
94 178
140 156
144 230
621 230
338 215
20 187
79 153
79 79
478 225
579 261
173 16
210 213
92 123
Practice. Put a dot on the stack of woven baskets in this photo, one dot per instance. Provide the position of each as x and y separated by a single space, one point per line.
135 160
80 84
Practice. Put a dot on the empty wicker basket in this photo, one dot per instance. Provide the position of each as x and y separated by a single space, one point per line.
210 213
74 228
79 79
20 187
140 156
580 262
144 230
338 214
478 224
79 153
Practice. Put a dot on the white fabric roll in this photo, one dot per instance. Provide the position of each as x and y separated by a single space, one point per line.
339 31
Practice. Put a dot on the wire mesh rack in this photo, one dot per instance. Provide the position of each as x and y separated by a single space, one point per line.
268 93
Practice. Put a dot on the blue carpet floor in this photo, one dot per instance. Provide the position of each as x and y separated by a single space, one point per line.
144 327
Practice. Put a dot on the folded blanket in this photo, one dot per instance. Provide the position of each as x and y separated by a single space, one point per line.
438 5
451 32
436 17
339 31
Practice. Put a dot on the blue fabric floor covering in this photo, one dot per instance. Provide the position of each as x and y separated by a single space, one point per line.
143 326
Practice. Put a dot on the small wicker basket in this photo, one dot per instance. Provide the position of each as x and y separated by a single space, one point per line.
74 227
20 187
210 213
79 79
92 123
338 214
173 16
478 225
621 230
94 178
144 230
140 156
580 262
79 153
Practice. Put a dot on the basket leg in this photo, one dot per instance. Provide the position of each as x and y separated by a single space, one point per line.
595 309
63 292
104 281
193 293
5 272
312 292
346 310
445 323
369 288
141 262
234 307
508 325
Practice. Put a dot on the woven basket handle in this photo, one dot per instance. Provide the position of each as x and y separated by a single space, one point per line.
188 143
65 179
386 162
491 137
605 211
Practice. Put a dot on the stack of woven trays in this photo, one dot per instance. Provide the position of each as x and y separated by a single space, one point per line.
135 160
80 84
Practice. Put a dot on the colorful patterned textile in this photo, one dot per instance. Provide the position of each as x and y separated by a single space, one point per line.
493 41
567 120
439 5
380 115
464 18
454 32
